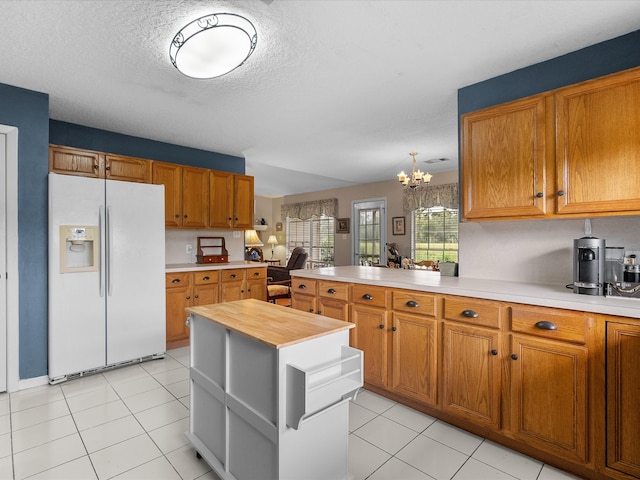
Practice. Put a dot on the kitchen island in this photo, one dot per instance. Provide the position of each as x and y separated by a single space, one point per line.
537 368
270 388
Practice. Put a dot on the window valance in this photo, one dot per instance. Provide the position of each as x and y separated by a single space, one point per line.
438 195
306 210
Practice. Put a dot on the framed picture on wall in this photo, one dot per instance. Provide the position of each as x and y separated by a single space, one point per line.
278 226
342 225
398 225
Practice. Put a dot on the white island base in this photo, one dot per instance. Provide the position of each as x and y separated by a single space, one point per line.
270 388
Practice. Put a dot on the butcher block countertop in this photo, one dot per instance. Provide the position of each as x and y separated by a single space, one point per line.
551 295
195 267
271 324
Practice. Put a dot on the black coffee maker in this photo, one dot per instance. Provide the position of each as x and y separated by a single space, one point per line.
588 266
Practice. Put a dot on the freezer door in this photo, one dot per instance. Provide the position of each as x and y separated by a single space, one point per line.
135 271
76 307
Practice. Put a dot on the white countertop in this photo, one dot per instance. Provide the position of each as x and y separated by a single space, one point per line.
557 296
194 267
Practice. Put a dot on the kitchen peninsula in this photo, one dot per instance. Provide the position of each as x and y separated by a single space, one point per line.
534 367
270 388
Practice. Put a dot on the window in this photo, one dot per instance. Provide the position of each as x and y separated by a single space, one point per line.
435 234
316 236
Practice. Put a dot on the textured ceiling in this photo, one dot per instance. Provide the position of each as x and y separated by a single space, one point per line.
336 93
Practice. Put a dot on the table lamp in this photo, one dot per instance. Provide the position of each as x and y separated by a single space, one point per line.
252 243
272 241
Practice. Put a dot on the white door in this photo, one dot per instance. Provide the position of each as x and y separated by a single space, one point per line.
136 324
369 232
3 263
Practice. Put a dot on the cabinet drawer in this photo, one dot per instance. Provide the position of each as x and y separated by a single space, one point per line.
368 295
179 279
477 312
303 286
339 291
412 302
232 275
206 278
549 323
260 272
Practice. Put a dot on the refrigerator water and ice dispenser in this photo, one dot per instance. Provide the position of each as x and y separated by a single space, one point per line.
79 248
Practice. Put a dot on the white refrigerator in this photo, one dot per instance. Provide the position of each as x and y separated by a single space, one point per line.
106 274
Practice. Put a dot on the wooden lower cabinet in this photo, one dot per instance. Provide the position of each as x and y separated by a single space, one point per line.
303 295
243 283
371 335
333 300
471 372
623 397
179 296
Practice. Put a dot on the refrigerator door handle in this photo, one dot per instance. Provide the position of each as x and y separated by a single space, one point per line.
109 253
102 257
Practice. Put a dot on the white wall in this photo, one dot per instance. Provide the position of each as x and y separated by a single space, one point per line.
536 251
177 240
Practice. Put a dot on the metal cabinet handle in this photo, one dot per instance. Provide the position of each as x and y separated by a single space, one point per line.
196 296
546 325
256 274
494 352
189 298
539 194
186 216
367 296
107 168
95 166
205 278
469 314
311 310
514 356
380 326
175 280
560 193
412 304
331 291
233 275
393 329
302 286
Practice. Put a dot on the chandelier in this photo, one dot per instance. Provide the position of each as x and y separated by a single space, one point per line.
417 178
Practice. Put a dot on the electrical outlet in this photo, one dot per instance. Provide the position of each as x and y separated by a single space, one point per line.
189 248
236 234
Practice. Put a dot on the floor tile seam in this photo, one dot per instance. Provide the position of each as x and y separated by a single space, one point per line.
179 365
37 405
400 460
14 452
380 448
144 432
419 432
86 454
59 465
453 448
138 393
501 470
13 429
68 382
171 393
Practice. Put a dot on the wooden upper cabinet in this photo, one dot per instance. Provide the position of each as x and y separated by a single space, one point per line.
243 201
598 145
195 197
503 160
170 175
128 169
73 161
220 199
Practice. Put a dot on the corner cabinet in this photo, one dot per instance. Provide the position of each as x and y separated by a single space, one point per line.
569 153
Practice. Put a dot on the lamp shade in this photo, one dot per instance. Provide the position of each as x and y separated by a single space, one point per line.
272 240
251 239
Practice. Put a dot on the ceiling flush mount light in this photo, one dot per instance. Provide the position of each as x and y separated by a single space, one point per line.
417 178
213 45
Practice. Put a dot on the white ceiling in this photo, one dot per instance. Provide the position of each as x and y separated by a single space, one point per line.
336 92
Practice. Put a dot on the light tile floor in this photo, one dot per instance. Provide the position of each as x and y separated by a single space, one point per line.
129 423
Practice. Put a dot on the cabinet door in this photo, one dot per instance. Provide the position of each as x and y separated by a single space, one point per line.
170 176
73 161
305 303
195 197
503 160
598 145
220 199
371 336
338 309
549 395
242 201
232 291
471 371
623 398
205 294
127 169
256 288
415 357
178 298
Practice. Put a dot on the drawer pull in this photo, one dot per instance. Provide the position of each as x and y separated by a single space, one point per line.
545 325
539 195
302 286
367 296
381 326
469 314
256 274
514 356
189 298
412 304
205 278
331 291
175 280
233 275
196 296
393 329
494 352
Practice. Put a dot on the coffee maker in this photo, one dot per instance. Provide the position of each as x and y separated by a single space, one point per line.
588 266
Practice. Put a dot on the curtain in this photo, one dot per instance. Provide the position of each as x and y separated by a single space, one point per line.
438 195
306 210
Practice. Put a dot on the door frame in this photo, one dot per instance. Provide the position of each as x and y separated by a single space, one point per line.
12 339
355 225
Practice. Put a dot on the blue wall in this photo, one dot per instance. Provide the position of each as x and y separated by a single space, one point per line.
594 61
72 135
29 112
